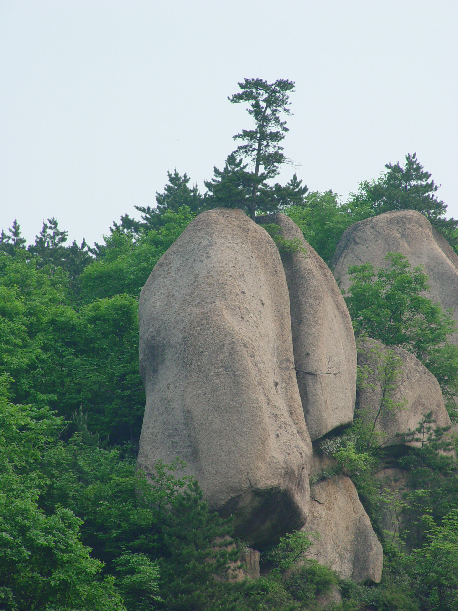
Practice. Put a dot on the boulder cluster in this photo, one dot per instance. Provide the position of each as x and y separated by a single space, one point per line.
248 359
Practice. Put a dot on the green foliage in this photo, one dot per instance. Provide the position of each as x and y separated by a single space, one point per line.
434 567
243 181
127 259
49 249
323 219
13 243
43 562
261 145
293 581
66 354
196 551
291 548
65 357
384 373
388 304
138 581
176 194
358 597
309 581
284 245
80 528
408 188
432 479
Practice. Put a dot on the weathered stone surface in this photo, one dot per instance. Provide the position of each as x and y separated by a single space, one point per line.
323 339
251 568
247 567
347 543
329 599
397 393
216 360
407 232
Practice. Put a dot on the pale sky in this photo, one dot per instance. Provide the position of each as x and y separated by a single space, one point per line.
98 99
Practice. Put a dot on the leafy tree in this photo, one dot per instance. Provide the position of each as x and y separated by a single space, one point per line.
80 528
176 194
388 304
293 580
435 565
323 219
408 188
197 549
43 562
63 357
243 181
138 581
126 259
50 240
290 549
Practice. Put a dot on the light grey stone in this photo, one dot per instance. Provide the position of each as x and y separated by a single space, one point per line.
347 542
323 339
216 360
396 393
407 232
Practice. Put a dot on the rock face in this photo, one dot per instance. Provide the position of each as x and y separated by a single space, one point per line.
407 232
347 542
397 392
216 360
323 339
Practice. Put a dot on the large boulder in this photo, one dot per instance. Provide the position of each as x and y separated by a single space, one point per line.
396 393
407 232
346 541
217 364
323 339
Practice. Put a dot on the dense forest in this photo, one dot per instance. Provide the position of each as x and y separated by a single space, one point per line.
79 527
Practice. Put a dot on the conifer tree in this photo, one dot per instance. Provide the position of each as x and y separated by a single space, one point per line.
14 242
409 188
177 194
243 181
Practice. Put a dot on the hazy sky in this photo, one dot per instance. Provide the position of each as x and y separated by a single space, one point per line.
98 99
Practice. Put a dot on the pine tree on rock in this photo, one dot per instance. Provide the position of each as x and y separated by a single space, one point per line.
409 188
243 181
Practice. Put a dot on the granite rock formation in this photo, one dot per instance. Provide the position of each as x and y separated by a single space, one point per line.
347 543
242 352
216 360
396 393
407 232
323 339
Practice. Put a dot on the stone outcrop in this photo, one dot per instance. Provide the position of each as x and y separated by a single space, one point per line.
407 232
242 352
217 364
347 543
246 567
396 393
323 339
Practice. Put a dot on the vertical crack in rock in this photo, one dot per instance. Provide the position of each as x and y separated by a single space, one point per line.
323 339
